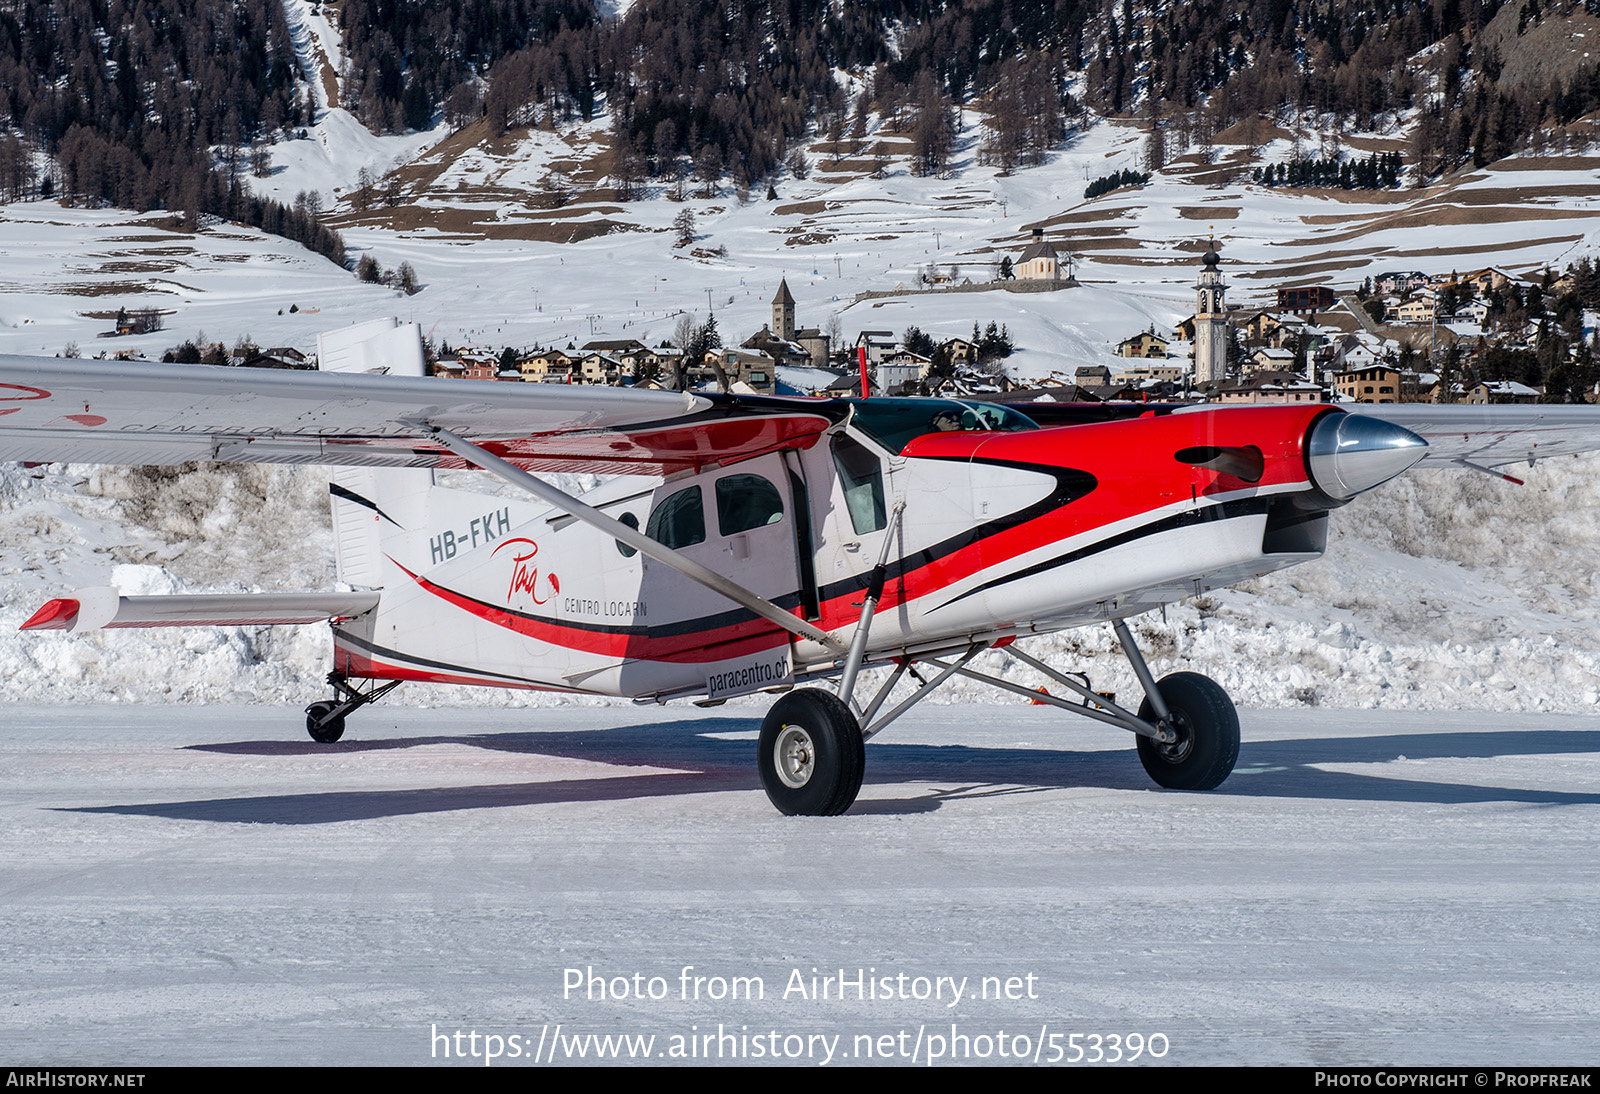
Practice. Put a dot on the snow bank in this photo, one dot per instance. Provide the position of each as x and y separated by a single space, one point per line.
1442 590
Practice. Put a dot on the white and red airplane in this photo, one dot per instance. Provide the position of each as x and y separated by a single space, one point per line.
777 542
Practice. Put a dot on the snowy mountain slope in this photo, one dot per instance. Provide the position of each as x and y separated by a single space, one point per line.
520 241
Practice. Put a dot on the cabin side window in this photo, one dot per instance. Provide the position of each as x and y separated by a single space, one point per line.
680 521
632 522
745 502
861 479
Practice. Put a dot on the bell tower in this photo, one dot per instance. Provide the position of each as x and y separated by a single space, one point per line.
783 312
1210 321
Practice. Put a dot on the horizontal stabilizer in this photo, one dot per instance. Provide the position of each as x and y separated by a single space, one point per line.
88 609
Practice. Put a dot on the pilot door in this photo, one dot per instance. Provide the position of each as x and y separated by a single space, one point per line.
850 509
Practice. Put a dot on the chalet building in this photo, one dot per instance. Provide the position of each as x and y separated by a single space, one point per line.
1373 384
601 368
1117 392
531 369
1292 329
287 354
755 370
1305 301
784 351
1143 344
478 364
906 358
547 366
662 362
962 352
1357 351
618 347
1439 392
1283 331
1272 387
848 386
1486 280
1418 310
1092 376
900 369
1057 393
1398 282
264 359
1500 392
1146 374
879 344
1258 327
1272 359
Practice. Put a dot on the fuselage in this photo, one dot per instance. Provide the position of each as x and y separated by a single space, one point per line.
995 528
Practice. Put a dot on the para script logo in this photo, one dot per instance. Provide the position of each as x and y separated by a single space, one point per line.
525 577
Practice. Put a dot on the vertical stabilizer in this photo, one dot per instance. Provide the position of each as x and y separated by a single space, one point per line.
385 346
371 504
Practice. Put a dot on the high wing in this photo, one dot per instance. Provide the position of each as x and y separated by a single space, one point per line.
69 410
127 412
1493 436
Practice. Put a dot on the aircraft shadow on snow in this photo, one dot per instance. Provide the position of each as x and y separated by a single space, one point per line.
704 763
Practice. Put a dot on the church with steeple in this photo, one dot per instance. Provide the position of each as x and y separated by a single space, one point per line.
783 342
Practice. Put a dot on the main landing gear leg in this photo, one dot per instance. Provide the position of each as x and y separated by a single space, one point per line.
812 754
1187 729
812 757
1198 716
325 718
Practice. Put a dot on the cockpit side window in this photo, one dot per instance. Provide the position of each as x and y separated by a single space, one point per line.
680 521
861 479
745 502
895 423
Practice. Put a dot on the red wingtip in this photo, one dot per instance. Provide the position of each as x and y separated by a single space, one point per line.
57 615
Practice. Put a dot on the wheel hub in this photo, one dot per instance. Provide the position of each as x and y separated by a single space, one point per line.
1177 750
796 757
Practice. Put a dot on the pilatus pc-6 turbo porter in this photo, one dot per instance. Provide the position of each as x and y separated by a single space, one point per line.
778 544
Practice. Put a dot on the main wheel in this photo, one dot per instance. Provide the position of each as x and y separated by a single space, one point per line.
326 732
1208 734
812 755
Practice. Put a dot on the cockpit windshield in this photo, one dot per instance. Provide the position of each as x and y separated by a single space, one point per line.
895 423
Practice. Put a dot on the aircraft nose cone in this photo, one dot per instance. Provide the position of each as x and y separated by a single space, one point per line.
1349 453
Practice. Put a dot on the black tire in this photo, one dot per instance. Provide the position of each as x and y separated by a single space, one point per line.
327 732
1207 747
811 755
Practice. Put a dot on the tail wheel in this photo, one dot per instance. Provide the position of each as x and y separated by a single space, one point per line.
324 730
811 755
1207 726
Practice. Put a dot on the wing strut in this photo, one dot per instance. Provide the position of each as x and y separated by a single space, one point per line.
640 542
